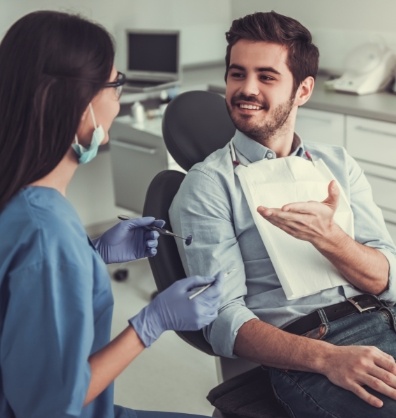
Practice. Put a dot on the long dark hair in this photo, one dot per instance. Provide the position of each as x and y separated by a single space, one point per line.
52 64
303 55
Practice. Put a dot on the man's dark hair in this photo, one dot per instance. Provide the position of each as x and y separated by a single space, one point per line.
52 65
303 55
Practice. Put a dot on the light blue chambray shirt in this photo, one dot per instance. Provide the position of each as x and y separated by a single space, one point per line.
211 206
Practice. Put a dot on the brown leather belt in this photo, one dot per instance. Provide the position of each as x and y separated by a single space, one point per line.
356 304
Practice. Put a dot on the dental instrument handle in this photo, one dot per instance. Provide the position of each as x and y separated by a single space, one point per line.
203 288
161 231
198 292
164 231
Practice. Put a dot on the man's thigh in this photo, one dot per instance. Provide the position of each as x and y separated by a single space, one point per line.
306 395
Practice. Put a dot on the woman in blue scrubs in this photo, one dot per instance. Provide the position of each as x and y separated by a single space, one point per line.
59 94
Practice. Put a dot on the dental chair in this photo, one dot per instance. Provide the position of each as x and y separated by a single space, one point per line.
195 124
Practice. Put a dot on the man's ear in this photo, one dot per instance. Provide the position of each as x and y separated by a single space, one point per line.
304 91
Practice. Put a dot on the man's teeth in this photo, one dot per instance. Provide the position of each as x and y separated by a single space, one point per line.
249 106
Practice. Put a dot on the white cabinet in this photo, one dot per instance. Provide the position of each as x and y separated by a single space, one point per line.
319 126
373 144
138 153
372 141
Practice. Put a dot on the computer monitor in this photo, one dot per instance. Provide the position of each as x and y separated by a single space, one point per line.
152 56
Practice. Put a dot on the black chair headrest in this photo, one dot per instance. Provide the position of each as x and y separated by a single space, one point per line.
195 124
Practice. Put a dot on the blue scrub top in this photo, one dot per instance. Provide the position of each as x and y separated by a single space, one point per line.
55 309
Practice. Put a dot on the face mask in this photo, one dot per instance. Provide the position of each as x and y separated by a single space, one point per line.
85 155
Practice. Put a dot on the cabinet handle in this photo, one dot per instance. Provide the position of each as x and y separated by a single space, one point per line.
374 131
133 147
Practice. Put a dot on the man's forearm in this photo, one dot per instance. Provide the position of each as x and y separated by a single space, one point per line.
364 267
265 344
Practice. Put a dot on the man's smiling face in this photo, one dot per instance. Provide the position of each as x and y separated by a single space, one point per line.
259 91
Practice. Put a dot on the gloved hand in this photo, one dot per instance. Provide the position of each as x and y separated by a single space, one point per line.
129 240
173 310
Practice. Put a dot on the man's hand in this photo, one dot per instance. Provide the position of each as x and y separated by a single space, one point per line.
352 367
356 367
309 221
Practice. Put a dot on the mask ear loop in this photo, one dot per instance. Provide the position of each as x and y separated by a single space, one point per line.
93 116
93 120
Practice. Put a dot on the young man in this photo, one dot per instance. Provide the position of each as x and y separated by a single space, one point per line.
331 353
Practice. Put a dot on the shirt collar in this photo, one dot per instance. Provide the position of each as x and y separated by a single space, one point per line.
252 151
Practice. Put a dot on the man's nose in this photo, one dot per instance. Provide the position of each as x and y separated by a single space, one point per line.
250 86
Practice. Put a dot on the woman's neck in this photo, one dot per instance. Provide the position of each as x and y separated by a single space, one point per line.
60 177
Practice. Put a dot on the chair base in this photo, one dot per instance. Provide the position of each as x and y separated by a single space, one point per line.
248 395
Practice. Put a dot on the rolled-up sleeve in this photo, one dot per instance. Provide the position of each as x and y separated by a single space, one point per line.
370 227
390 293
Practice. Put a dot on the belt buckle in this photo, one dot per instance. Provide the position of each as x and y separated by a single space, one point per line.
360 309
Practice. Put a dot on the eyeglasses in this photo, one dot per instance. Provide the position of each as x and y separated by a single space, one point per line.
117 84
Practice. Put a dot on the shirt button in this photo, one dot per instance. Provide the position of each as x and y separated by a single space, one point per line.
270 155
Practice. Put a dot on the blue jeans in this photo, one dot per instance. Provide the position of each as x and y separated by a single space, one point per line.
310 395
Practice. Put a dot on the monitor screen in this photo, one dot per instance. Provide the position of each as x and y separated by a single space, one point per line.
153 53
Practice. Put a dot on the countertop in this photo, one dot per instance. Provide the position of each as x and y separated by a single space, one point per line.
378 106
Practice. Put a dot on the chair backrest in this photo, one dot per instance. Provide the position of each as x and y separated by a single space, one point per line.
166 266
195 124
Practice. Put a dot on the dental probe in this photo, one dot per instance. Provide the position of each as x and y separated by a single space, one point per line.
203 288
162 231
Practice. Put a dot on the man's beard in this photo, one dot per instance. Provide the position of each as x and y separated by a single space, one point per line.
261 132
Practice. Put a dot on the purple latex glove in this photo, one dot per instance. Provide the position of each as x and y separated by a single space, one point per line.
129 240
173 310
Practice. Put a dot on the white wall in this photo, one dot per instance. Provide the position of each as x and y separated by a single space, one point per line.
202 25
337 26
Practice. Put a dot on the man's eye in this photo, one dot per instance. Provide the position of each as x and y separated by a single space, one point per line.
266 78
236 75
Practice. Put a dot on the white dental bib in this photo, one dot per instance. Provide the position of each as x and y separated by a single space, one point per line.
300 267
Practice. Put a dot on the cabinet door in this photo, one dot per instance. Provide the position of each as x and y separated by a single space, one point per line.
137 155
373 144
320 126
372 141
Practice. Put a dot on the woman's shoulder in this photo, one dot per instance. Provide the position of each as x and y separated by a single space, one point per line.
44 208
38 220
